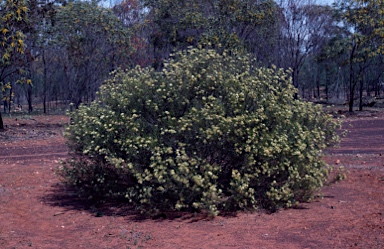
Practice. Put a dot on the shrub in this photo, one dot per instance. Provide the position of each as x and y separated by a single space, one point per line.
208 132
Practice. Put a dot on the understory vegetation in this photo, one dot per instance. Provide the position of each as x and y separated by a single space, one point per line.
210 132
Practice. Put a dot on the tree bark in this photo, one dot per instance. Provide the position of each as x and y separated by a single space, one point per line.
10 99
45 84
29 99
352 82
1 122
361 95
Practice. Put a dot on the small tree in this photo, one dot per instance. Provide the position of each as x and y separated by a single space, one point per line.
364 40
208 132
12 21
92 42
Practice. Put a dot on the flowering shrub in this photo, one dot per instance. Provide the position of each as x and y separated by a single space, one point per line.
209 132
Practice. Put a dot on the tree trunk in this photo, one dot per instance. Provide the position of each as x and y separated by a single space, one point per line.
45 84
44 103
1 122
352 85
5 103
361 95
29 99
318 88
295 82
352 82
361 85
351 94
10 99
326 87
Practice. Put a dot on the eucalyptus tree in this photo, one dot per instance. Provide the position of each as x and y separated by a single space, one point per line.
38 34
333 60
219 24
93 42
134 16
364 21
304 32
369 19
14 14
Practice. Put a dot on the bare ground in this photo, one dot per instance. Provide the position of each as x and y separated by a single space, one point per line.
37 212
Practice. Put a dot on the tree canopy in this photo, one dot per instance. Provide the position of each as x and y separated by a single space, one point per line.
66 49
14 16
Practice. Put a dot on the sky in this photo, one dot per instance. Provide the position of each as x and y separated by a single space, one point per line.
107 3
329 2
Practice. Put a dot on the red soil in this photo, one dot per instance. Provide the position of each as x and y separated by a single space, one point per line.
37 212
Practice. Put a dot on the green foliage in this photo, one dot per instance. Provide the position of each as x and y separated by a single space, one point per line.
362 43
85 27
223 24
366 16
93 42
208 132
13 17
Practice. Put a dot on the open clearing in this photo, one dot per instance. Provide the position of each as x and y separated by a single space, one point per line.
37 212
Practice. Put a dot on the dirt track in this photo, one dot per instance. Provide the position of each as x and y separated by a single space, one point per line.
24 153
364 136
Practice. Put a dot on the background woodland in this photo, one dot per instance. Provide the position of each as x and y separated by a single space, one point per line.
54 53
